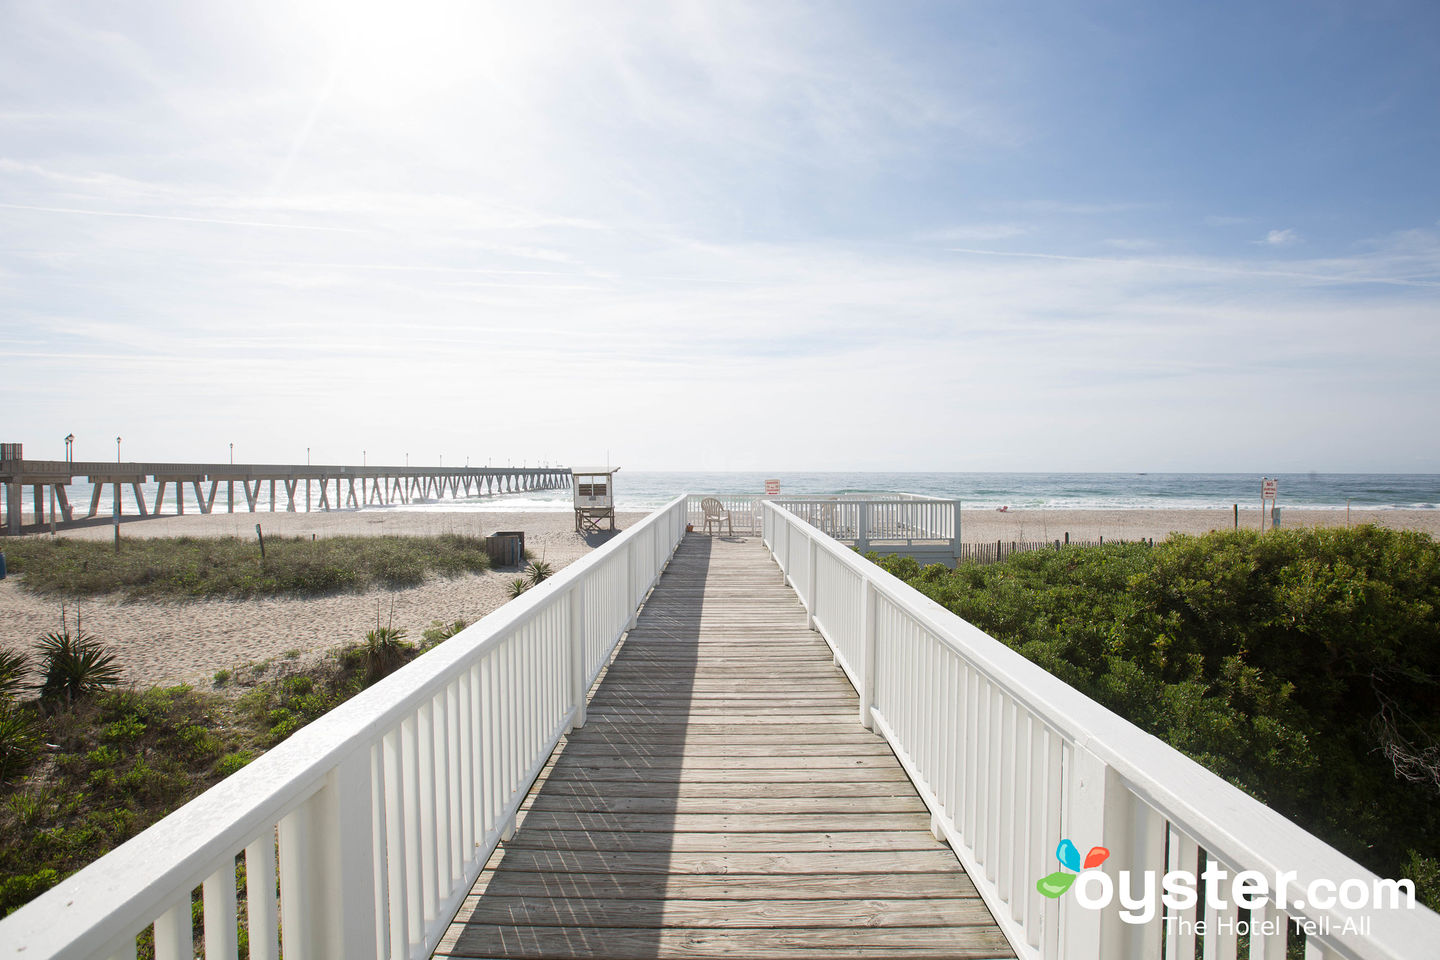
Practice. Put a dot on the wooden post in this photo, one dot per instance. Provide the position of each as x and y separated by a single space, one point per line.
261 536
1237 516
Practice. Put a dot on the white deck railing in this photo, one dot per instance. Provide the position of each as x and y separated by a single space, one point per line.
861 520
376 818
1010 760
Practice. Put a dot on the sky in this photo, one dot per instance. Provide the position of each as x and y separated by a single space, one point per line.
724 236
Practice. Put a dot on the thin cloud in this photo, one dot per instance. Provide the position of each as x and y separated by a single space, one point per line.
1280 238
122 214
1207 268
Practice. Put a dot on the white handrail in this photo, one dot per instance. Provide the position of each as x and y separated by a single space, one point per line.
376 818
1010 760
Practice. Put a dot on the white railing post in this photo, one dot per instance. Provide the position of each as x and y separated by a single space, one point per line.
578 672
866 666
1095 815
955 533
327 869
810 580
631 597
862 525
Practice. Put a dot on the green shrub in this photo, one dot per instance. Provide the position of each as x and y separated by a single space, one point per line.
439 631
234 761
1302 666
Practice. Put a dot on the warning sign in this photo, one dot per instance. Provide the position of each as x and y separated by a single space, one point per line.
772 488
1267 488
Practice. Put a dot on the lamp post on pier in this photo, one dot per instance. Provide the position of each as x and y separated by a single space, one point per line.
117 449
232 453
70 448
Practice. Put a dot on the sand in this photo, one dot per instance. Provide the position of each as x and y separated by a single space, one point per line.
167 642
188 641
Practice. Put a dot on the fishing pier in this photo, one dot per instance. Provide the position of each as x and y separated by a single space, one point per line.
307 486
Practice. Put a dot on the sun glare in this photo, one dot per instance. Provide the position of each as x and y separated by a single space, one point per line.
391 55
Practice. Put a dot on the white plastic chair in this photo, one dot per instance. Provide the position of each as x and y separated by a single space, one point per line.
714 513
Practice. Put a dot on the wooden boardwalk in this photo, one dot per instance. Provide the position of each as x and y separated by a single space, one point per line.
723 801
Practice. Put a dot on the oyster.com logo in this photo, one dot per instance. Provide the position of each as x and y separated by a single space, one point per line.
1055 884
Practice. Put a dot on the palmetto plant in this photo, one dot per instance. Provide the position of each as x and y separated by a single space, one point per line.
74 665
384 652
13 666
518 586
538 572
384 647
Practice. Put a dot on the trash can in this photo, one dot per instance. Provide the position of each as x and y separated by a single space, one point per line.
1275 517
506 547
2 566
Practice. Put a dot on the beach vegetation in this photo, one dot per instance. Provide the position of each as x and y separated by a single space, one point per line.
538 572
386 650
1302 666
14 667
76 783
73 666
439 631
518 586
178 568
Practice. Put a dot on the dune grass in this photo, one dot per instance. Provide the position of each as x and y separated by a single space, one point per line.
179 568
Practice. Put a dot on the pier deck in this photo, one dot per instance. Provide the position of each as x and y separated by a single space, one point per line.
723 801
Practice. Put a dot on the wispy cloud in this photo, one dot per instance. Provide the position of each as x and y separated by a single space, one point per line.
1280 238
125 214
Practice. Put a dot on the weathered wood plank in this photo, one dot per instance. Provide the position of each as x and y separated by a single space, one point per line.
725 823
724 887
712 842
701 914
722 801
491 940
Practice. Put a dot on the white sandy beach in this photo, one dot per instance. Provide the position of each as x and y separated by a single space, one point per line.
170 642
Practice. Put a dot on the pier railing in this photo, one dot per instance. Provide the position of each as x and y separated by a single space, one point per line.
374 820
1010 761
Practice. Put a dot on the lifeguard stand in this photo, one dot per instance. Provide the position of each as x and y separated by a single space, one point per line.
594 497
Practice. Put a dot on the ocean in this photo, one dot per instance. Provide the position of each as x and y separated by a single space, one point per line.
641 490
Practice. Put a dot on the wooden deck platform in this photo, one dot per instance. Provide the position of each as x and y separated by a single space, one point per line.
722 801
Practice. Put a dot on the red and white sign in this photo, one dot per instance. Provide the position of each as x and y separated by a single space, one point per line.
1267 488
772 488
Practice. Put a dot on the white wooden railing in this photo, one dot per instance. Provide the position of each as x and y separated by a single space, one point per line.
375 819
1010 760
863 523
895 521
744 511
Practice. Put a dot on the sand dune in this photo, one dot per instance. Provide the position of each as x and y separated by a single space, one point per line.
170 642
